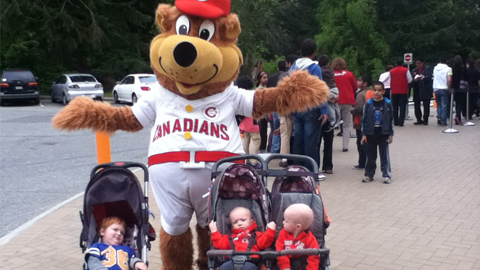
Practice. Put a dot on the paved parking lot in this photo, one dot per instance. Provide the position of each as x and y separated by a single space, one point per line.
428 218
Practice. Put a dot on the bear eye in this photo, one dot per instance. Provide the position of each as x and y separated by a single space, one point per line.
182 25
206 31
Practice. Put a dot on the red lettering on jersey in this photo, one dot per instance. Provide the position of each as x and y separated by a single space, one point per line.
195 128
224 130
158 133
187 124
166 128
214 130
204 128
176 126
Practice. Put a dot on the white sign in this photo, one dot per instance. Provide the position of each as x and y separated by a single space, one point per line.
408 58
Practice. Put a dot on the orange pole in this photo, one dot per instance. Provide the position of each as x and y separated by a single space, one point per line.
103 148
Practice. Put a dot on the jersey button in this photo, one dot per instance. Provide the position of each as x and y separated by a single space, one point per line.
189 108
187 135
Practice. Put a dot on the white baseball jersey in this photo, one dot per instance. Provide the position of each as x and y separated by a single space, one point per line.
177 123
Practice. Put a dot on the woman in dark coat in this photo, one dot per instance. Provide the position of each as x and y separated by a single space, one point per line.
460 97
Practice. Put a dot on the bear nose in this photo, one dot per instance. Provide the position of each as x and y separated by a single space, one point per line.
185 54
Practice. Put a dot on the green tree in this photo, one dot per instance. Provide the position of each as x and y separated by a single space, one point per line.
349 30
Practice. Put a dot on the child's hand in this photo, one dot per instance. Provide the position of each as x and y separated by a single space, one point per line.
213 226
390 139
141 266
364 140
272 225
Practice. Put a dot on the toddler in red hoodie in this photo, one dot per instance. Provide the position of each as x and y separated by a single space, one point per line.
295 235
243 228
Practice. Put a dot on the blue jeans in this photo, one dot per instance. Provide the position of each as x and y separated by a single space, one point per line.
307 135
275 138
442 100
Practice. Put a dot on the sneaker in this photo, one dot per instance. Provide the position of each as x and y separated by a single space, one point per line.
418 123
340 134
387 180
367 179
345 149
321 177
327 171
358 167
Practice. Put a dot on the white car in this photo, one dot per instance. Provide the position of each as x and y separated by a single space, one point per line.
69 86
131 88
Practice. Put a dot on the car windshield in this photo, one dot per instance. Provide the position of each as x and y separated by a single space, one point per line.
82 78
147 79
21 75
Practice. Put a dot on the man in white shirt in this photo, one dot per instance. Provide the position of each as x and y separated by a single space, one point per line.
442 81
385 79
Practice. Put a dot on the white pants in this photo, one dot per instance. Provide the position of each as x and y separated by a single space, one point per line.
347 123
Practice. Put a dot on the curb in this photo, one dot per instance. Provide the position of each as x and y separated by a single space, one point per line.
45 97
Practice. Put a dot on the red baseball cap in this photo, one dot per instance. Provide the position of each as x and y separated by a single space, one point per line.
208 9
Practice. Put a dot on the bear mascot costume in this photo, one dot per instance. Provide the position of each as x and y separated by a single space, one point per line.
192 115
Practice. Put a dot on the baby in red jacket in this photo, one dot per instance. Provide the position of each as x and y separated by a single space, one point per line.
243 228
295 235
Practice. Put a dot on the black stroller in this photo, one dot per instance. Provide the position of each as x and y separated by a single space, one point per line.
237 185
296 184
114 190
223 200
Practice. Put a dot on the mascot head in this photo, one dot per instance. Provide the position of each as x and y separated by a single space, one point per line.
196 53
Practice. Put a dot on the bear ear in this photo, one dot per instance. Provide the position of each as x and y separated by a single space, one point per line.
165 17
230 27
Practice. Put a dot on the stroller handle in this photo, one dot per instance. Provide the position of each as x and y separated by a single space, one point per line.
121 164
269 254
306 159
235 158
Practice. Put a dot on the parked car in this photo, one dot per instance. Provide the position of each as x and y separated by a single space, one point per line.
131 88
70 86
18 84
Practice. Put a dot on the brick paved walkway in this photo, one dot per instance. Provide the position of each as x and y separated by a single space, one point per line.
428 218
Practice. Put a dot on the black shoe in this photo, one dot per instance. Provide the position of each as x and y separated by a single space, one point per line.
400 125
439 122
358 167
425 123
418 123
339 134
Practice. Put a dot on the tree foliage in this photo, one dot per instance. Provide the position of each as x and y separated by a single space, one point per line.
110 38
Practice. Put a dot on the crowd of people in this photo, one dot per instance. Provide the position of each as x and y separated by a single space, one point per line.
350 96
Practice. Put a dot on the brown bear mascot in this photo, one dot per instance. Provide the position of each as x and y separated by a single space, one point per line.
192 115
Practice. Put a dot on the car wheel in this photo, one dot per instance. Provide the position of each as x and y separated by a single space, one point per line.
53 98
2 102
115 97
36 101
134 98
65 100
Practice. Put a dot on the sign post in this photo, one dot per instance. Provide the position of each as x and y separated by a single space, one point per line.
408 59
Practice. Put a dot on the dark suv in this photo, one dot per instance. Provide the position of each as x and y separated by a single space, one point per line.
18 84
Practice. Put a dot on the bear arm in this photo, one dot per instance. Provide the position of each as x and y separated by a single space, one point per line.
84 113
297 92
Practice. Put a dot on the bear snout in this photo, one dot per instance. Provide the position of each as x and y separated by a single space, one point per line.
185 54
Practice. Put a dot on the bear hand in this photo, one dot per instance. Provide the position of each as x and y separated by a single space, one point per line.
297 92
84 113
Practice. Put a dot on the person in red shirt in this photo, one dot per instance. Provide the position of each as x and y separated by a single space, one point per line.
400 77
347 86
295 235
243 227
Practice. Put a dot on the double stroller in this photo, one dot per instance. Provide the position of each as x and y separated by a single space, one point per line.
243 185
114 190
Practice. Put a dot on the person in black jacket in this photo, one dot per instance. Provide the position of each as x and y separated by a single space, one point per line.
377 130
422 91
473 78
459 95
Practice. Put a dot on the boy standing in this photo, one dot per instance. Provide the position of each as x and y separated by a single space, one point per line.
363 84
377 130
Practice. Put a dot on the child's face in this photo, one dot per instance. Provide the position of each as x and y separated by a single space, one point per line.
288 224
378 92
359 83
113 234
241 219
